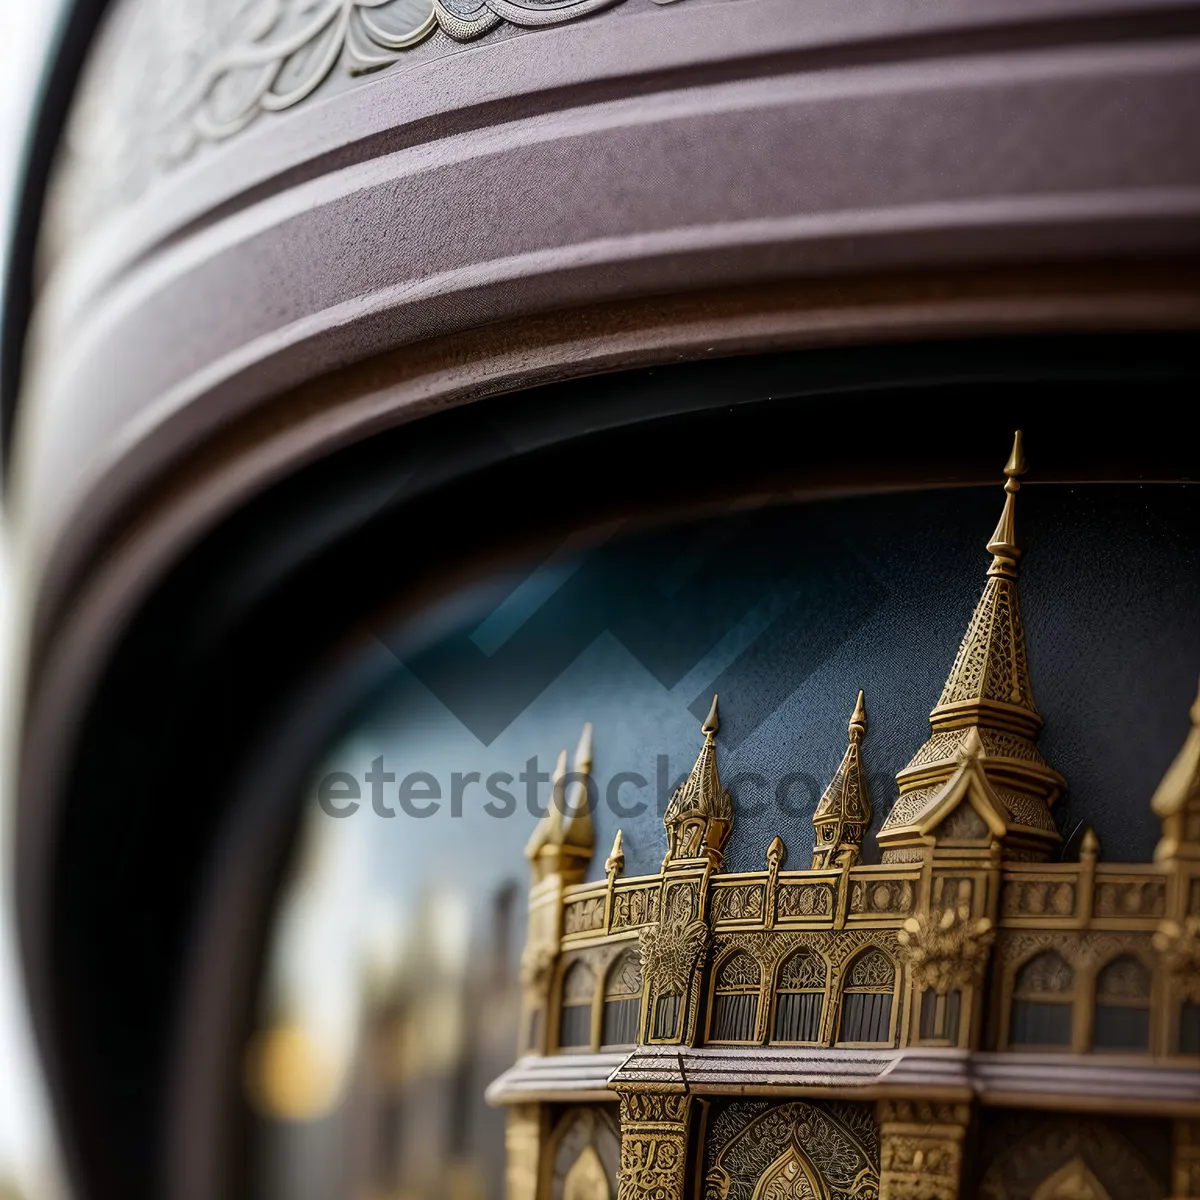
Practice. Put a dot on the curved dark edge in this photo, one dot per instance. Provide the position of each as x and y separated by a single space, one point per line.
182 790
77 31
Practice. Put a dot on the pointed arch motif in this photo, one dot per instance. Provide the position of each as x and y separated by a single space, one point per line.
1043 1007
791 1177
1073 1181
751 1145
622 1000
575 1014
868 1003
800 997
737 987
1121 1019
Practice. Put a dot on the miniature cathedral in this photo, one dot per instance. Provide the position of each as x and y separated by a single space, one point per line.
971 1016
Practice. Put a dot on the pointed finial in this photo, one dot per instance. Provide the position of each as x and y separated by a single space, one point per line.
1089 846
614 864
1176 800
712 722
548 831
776 853
1003 542
583 752
1016 464
555 810
858 721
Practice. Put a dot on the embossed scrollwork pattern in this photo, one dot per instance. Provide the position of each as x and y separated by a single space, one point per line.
833 1144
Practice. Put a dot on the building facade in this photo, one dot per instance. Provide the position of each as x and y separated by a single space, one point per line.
969 1016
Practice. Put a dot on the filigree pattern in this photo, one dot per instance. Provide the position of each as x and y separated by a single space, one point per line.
739 970
583 916
747 1140
874 969
624 976
672 954
904 854
634 906
944 746
910 805
1026 810
891 896
742 902
804 900
804 969
991 663
654 1130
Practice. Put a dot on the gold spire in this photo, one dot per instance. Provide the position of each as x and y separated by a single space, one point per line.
700 813
563 840
1003 543
988 695
614 864
991 668
577 828
844 811
1176 800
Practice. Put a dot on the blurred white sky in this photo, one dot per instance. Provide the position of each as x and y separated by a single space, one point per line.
26 1152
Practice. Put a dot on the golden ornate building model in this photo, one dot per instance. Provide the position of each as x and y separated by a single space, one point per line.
970 1017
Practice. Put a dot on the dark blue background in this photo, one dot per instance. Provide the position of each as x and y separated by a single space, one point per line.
787 610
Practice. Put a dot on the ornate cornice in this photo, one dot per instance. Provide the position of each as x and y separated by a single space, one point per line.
168 77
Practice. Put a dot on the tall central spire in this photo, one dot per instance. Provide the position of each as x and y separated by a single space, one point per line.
991 672
985 723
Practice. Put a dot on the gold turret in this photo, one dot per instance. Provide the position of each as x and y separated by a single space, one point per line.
564 839
1176 801
700 814
981 758
844 811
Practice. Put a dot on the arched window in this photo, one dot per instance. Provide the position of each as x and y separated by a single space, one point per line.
735 1000
578 994
1122 1020
867 999
1189 1028
1042 1002
622 1001
939 1016
666 1015
800 998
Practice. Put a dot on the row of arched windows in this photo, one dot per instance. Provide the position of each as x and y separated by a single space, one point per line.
867 1001
621 1004
865 1016
1042 1015
1045 1014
